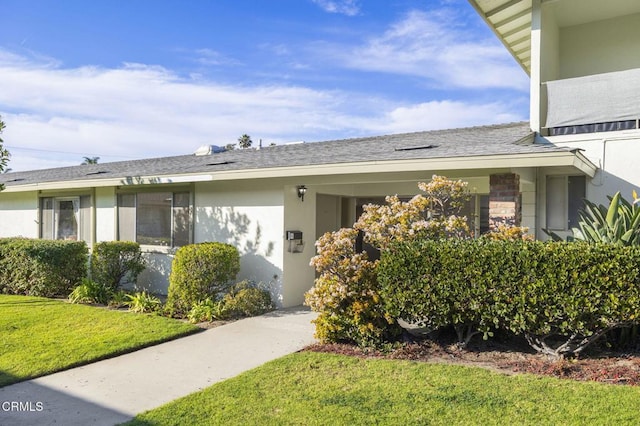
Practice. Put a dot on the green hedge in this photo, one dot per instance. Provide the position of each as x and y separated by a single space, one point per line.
200 271
41 267
113 262
560 296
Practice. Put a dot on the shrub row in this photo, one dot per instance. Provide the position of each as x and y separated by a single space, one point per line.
560 296
41 267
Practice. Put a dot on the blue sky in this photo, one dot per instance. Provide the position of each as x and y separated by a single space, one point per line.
136 79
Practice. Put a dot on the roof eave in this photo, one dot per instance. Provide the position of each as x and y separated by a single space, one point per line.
507 45
571 159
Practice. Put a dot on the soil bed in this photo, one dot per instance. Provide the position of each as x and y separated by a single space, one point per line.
509 356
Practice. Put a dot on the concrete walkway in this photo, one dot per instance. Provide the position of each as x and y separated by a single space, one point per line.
115 390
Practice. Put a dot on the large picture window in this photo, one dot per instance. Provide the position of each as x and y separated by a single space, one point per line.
65 218
155 218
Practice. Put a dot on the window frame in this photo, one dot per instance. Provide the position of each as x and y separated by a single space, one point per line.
172 212
48 223
568 199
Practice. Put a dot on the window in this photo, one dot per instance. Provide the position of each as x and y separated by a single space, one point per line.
565 195
65 218
477 212
155 218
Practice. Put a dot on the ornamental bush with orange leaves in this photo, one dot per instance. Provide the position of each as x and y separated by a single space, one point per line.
346 292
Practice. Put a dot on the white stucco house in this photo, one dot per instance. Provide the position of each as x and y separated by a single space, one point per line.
273 203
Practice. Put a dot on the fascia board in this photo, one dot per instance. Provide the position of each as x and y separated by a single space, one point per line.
551 159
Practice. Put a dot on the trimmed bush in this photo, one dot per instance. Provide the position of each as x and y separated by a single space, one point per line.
44 268
115 262
560 296
200 271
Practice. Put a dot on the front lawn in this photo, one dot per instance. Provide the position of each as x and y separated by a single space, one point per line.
40 336
310 388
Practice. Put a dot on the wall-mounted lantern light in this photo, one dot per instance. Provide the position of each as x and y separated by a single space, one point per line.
301 191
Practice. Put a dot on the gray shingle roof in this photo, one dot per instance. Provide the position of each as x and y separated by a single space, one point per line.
513 138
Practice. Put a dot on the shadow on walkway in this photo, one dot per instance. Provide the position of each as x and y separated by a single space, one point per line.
114 390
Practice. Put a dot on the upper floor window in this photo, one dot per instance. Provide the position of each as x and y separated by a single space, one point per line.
65 218
155 218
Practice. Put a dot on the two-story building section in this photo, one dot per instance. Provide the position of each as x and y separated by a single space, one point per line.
582 59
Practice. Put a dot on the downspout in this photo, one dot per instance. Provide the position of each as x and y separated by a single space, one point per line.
602 163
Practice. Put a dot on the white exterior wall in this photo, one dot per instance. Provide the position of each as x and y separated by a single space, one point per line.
545 60
298 216
600 47
19 214
249 216
616 154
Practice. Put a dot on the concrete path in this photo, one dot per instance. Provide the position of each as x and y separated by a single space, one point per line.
115 390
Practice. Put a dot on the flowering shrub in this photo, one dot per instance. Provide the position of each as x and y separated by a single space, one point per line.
346 292
434 215
509 233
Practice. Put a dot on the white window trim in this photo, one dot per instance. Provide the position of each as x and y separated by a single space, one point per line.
76 213
150 248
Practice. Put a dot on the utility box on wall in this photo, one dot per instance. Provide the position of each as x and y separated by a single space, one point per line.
296 244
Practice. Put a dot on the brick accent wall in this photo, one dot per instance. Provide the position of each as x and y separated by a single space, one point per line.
504 200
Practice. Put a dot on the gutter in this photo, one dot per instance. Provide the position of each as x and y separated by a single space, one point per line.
542 159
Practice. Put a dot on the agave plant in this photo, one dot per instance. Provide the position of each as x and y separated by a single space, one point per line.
619 223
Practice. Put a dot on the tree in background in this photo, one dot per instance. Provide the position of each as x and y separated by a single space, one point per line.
90 160
4 154
245 141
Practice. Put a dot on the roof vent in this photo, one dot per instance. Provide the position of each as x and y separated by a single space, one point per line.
220 163
208 150
414 148
98 172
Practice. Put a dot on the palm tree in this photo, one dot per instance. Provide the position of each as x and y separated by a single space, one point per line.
90 160
245 141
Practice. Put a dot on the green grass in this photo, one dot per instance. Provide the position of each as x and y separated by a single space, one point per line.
40 336
324 389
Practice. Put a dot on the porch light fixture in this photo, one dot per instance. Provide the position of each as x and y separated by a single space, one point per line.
301 191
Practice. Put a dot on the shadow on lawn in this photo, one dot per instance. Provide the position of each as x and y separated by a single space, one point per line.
34 302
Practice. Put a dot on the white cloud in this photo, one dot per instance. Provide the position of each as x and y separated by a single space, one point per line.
142 111
434 46
448 114
345 7
211 57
